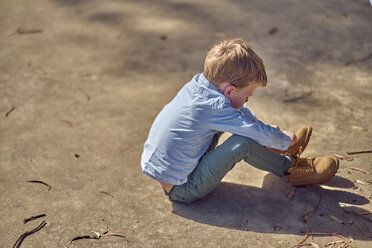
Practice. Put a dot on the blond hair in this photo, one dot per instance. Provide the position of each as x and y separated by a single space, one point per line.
235 62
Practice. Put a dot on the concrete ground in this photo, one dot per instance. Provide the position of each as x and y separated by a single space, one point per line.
81 82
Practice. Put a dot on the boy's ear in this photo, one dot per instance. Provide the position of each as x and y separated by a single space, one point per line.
228 90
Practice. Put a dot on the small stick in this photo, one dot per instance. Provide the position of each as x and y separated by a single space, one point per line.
19 241
307 214
363 213
333 243
97 235
84 93
81 237
359 226
308 244
305 218
317 205
362 182
37 181
336 219
115 234
33 218
305 237
359 214
31 31
344 240
359 60
342 156
273 30
358 152
106 193
10 111
358 169
67 122
294 99
331 234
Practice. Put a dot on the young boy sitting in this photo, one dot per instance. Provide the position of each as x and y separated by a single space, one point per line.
180 150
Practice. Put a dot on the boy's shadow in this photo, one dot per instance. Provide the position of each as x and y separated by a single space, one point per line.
267 210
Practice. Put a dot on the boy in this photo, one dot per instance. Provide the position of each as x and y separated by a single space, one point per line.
180 150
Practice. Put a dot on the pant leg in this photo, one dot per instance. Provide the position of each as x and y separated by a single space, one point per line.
215 164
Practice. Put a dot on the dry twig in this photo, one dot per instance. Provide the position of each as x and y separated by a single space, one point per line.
273 30
106 193
358 152
33 218
346 242
97 235
359 60
359 226
336 219
294 99
343 157
358 169
357 214
309 244
10 111
307 214
362 182
115 234
28 31
303 239
37 181
19 241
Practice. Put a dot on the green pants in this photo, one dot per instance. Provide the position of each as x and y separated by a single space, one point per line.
216 163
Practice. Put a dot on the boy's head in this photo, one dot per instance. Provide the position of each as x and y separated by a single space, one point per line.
234 62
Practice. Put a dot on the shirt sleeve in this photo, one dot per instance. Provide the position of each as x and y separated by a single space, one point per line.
249 113
228 119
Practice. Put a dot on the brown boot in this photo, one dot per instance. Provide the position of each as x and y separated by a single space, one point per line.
309 171
303 136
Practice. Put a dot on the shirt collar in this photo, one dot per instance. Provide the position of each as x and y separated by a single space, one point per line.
204 81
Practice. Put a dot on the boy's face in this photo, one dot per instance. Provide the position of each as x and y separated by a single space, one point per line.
239 96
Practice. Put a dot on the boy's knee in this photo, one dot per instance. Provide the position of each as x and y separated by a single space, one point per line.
242 146
239 142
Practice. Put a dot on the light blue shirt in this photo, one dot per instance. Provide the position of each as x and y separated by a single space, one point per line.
183 130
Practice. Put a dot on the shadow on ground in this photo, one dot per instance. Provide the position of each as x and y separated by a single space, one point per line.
267 210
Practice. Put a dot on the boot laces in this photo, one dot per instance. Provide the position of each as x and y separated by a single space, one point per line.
303 163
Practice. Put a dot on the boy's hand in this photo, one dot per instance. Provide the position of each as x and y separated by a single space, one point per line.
292 136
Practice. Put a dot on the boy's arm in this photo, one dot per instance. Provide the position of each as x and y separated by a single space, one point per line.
247 112
251 115
227 119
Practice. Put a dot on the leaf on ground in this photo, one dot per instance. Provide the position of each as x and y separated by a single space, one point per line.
305 217
107 193
359 128
363 182
359 169
343 157
336 219
81 237
37 181
115 234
